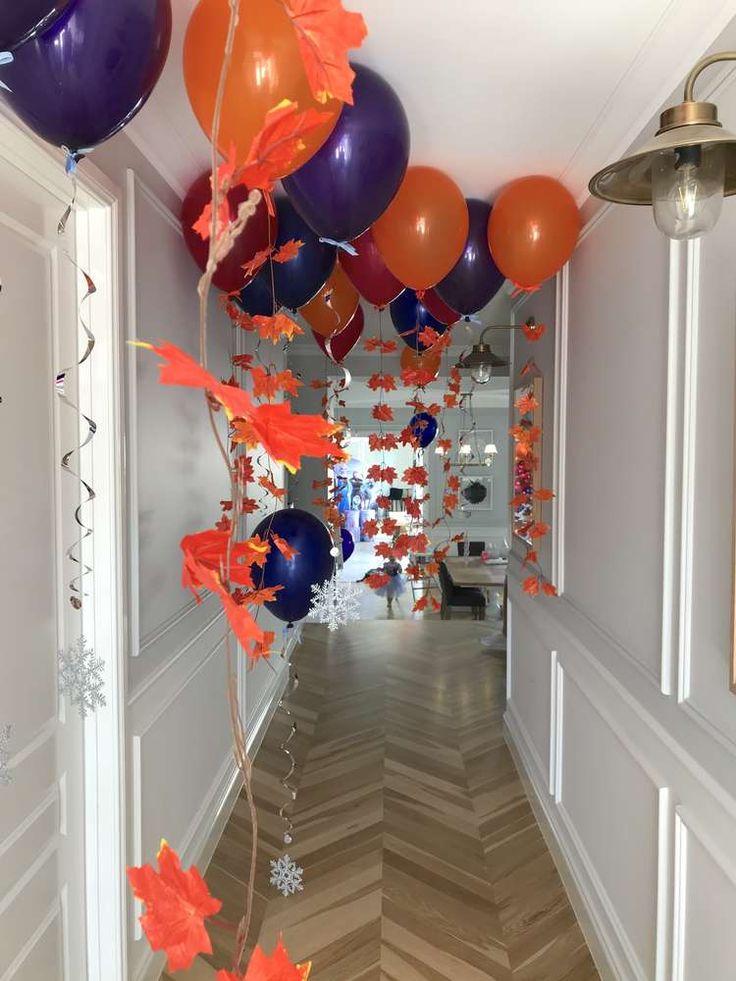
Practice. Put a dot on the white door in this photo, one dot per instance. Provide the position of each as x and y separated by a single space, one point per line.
42 813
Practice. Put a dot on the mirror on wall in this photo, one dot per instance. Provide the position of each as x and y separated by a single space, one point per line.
527 462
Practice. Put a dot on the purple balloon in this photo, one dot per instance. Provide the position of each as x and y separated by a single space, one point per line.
474 280
301 278
355 175
409 316
20 20
82 80
348 544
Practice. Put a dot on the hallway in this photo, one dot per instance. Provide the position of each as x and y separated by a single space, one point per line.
422 858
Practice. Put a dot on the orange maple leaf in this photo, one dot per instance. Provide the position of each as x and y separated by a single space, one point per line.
420 604
376 579
283 546
286 436
376 344
538 530
382 412
370 528
269 485
276 967
270 384
531 585
276 327
326 32
544 494
251 267
549 589
526 403
288 251
383 381
416 475
177 904
533 332
278 142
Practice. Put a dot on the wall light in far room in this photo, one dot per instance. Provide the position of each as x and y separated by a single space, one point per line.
684 171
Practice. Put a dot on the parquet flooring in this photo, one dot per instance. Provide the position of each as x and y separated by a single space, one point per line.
422 857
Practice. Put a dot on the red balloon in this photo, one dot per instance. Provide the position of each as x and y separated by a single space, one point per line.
342 344
258 233
368 273
439 309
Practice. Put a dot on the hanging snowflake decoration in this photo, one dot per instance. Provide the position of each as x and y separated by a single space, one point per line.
335 603
286 876
6 774
80 677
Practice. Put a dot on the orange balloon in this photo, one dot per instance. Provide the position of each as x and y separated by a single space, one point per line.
266 68
422 233
532 230
425 361
334 306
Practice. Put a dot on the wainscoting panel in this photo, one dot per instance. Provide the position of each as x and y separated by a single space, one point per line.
616 420
530 690
610 807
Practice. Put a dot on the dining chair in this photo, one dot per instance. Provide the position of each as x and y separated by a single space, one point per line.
460 596
475 549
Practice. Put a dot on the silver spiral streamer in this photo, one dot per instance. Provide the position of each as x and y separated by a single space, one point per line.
72 553
289 788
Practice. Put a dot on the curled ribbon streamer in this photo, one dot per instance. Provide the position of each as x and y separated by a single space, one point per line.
345 246
71 553
291 687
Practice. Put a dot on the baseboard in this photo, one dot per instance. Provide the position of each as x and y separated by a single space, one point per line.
587 908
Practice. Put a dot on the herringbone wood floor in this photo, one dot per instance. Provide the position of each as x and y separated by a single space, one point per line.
423 860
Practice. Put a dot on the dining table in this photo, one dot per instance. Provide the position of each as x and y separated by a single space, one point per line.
471 571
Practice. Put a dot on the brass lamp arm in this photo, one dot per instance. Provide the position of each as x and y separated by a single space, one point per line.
530 321
701 66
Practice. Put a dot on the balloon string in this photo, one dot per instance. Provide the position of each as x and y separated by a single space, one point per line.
73 552
345 246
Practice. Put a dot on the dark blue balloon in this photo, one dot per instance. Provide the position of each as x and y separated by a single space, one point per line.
20 20
474 280
424 427
348 544
313 564
301 278
354 176
257 297
85 77
409 316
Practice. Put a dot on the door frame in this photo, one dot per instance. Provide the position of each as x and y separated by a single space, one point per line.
97 228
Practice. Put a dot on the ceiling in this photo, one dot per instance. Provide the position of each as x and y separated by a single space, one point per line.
493 90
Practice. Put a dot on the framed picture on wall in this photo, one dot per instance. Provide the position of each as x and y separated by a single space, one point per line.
527 466
476 493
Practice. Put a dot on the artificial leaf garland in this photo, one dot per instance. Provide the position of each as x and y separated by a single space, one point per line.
526 437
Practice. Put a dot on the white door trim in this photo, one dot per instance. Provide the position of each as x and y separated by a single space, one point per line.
97 231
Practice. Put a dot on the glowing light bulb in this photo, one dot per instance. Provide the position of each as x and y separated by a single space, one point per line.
687 190
481 374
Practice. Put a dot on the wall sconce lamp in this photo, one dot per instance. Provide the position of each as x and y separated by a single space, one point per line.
684 171
481 360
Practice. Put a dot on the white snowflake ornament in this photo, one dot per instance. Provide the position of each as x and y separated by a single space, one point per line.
335 603
80 677
286 876
6 774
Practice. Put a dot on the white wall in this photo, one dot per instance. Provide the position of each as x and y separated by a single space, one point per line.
181 774
619 706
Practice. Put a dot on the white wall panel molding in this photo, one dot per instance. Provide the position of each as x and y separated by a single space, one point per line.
176 649
559 444
556 728
689 449
647 720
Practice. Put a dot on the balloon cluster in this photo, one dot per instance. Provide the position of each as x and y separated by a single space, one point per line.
81 69
369 224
